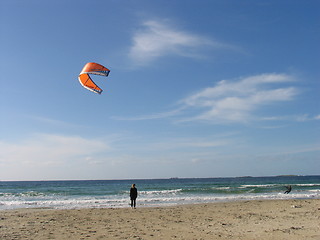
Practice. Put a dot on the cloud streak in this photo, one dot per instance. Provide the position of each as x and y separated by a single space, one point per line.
158 39
47 149
151 116
232 101
237 101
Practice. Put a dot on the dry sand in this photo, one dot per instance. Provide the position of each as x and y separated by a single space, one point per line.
271 219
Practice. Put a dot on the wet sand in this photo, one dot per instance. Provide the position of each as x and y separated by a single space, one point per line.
269 219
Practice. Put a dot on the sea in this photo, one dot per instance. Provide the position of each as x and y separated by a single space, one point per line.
152 192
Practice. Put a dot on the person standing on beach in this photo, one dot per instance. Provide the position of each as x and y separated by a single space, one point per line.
133 195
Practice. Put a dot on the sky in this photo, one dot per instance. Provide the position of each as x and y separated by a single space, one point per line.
210 88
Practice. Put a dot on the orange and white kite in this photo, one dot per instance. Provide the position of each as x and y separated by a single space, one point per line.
85 79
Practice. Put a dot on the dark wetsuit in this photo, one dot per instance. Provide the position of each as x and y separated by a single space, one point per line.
133 196
288 189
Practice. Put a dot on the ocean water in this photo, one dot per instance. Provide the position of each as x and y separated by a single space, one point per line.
152 192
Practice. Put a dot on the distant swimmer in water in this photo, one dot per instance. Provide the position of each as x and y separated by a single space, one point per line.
288 189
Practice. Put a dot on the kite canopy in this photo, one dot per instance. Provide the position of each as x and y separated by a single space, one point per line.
85 79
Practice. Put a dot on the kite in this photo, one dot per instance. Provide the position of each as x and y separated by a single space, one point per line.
85 79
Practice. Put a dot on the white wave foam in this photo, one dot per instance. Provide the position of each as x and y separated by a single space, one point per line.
262 185
308 184
145 199
161 192
222 188
314 190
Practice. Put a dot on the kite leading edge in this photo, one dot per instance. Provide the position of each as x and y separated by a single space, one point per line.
85 79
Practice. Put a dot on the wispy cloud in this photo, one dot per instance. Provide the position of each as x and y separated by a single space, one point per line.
190 143
47 149
233 101
51 121
151 116
157 39
236 101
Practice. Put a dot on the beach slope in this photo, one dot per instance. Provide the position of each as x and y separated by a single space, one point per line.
270 219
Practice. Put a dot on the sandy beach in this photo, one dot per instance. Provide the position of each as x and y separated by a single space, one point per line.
270 219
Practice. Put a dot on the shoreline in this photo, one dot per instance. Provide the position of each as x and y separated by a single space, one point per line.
164 192
255 219
96 205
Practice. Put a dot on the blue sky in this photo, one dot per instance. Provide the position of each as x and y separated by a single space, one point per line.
196 89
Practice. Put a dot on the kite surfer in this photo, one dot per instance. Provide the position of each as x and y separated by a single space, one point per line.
288 189
133 195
